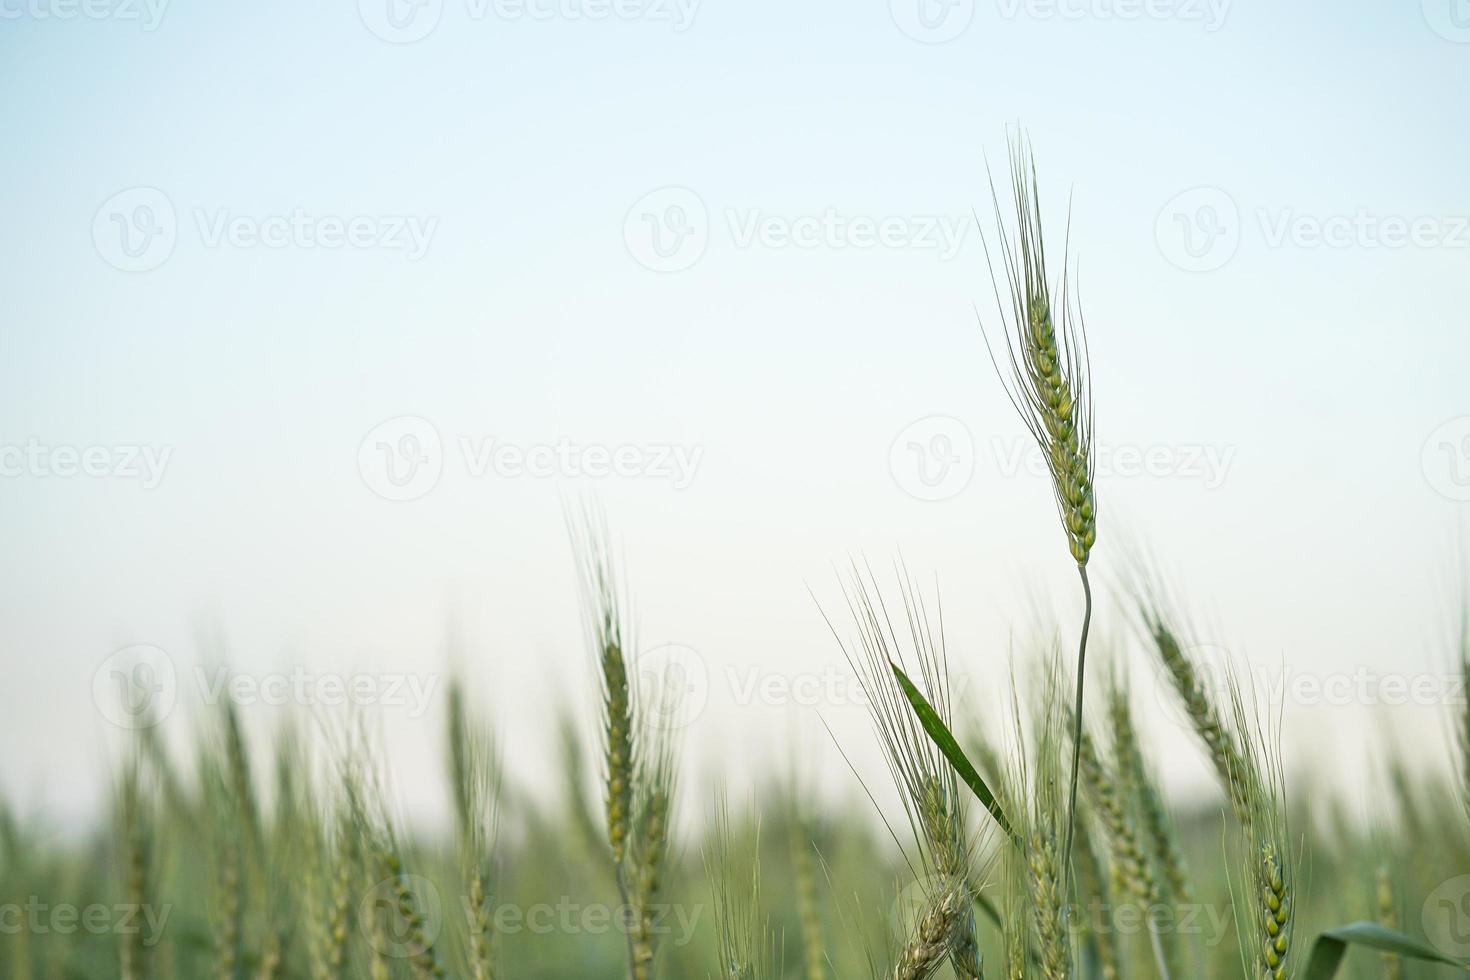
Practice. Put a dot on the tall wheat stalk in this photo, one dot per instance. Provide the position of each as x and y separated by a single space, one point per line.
1048 381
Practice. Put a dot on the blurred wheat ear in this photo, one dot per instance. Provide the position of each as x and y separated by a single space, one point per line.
744 942
136 829
475 784
639 749
1049 382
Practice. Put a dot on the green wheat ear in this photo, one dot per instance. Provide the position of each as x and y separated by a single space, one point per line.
1270 892
1048 380
1049 383
135 826
603 608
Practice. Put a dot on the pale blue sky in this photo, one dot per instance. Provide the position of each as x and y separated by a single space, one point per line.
523 144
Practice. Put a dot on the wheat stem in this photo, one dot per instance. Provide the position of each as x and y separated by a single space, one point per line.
1077 722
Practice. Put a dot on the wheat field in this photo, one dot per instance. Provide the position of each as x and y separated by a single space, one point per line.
1037 843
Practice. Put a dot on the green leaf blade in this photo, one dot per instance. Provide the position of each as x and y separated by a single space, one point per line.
940 735
1331 947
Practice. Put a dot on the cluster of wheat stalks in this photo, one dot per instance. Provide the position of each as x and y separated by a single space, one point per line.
1039 847
299 868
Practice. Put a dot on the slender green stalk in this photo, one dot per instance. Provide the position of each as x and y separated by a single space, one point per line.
1077 708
